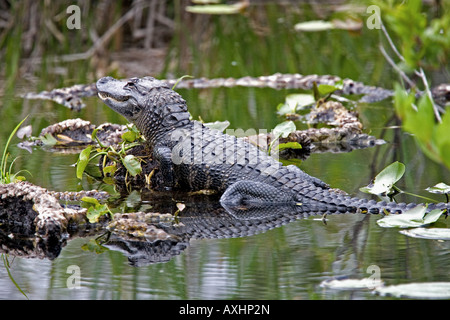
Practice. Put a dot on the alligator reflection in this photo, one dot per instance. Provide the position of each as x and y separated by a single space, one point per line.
145 242
146 238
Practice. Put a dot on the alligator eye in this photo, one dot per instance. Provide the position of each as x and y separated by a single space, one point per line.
130 84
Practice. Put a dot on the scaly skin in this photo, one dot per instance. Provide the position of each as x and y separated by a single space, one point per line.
194 157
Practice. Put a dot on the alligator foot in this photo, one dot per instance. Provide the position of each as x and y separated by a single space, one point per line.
251 192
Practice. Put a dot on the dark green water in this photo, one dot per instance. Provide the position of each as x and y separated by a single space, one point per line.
288 262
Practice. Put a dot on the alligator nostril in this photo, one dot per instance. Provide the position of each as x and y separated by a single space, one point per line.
105 79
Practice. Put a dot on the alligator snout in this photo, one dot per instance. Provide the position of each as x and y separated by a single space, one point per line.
105 80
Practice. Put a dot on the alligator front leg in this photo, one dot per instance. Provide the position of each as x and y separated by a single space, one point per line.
251 192
163 155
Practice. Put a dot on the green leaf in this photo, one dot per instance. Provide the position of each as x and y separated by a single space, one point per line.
83 160
421 123
132 165
416 217
95 138
288 145
403 101
94 213
294 102
90 200
283 129
441 139
129 136
180 79
325 89
48 140
385 180
440 188
110 169
4 161
432 216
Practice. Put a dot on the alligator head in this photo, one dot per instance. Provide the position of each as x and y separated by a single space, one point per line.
147 102
127 97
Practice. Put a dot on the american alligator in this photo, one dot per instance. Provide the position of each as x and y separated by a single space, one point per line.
194 157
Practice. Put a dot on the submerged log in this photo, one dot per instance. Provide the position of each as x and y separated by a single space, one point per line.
33 223
71 97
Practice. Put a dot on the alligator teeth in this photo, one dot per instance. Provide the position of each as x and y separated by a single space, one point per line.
104 95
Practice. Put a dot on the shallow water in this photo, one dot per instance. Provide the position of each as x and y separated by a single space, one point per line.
285 263
288 262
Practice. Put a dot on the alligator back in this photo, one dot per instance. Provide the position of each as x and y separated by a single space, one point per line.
193 157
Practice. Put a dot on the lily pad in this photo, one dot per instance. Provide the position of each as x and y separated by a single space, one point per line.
440 188
428 233
218 8
351 284
294 102
386 179
284 129
416 217
424 290
315 25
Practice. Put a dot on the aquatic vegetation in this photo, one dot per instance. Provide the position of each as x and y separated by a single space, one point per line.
423 42
95 209
384 183
384 187
260 42
219 9
130 139
416 217
419 118
416 290
440 188
6 175
7 265
282 130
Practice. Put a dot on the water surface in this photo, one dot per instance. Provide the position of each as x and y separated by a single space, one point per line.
287 262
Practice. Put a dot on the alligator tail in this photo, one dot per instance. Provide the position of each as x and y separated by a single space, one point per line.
312 198
336 202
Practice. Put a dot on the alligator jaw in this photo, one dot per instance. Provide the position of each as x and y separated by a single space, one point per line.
104 96
113 93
